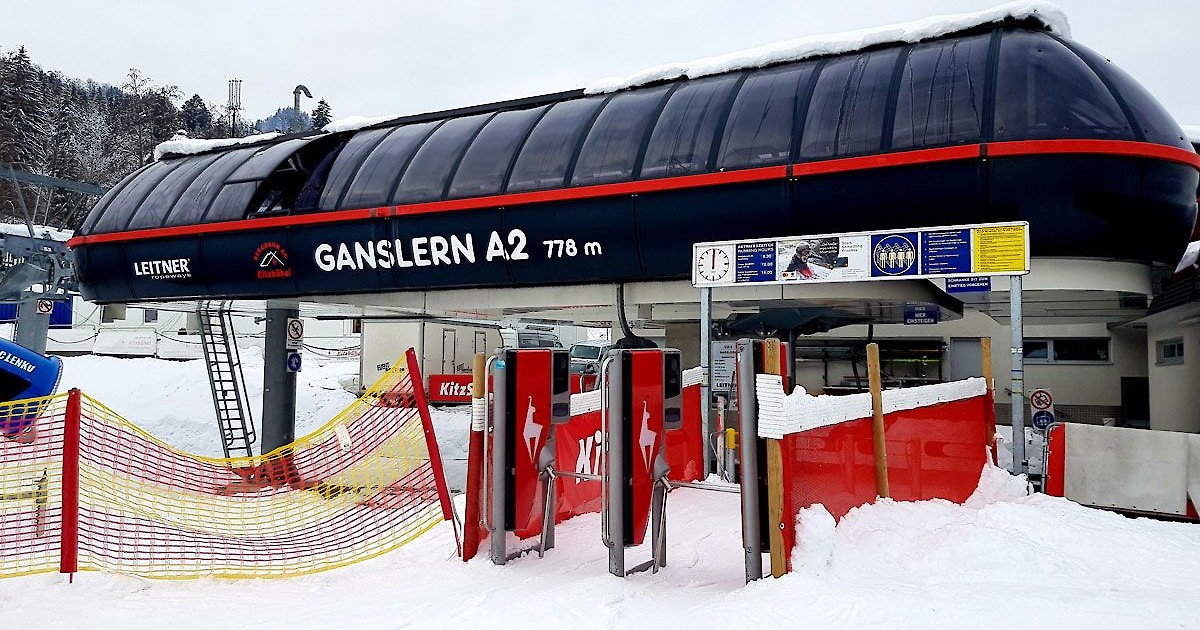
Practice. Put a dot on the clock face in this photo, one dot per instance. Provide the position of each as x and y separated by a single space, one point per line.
713 264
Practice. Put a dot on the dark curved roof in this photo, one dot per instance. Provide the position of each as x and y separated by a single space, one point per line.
993 85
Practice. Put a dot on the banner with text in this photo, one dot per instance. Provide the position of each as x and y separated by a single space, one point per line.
940 252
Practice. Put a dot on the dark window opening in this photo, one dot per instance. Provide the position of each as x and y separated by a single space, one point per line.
489 157
433 164
296 183
11 385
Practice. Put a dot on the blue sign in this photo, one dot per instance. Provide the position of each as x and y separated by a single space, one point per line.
969 285
894 254
293 362
921 314
754 262
946 251
1042 419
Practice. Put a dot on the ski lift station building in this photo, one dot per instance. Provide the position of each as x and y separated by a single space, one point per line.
539 208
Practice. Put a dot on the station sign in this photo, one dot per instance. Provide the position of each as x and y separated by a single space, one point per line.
723 366
975 284
450 388
295 333
958 251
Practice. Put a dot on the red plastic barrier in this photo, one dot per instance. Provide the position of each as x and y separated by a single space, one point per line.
685 446
578 446
934 452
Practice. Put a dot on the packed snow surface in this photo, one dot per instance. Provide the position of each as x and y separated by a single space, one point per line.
1004 559
180 145
926 565
1048 14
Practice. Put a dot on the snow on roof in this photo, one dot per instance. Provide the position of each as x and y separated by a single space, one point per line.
1048 14
352 123
39 231
1192 132
182 145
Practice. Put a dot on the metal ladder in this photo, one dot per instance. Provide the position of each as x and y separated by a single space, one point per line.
226 380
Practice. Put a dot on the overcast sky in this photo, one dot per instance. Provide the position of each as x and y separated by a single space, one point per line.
379 57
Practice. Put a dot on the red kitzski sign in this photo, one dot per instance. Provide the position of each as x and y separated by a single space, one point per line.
450 388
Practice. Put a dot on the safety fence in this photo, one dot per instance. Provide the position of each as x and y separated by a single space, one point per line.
935 437
116 499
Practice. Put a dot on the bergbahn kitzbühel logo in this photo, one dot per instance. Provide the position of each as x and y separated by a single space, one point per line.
272 261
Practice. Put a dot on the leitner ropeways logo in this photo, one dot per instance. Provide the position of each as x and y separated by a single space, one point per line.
170 269
272 261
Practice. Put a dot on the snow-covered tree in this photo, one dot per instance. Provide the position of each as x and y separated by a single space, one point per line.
196 118
322 115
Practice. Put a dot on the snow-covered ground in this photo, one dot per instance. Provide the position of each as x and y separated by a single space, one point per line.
1005 559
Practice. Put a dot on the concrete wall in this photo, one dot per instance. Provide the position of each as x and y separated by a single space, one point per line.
1173 387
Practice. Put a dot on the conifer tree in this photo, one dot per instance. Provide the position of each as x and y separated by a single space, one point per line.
322 115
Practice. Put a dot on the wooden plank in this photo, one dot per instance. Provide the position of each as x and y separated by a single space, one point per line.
775 511
879 439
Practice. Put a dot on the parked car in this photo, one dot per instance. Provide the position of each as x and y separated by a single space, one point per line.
588 354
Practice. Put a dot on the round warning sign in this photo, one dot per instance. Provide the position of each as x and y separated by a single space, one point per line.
45 307
1041 399
295 333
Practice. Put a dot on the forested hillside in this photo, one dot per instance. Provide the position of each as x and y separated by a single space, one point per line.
85 131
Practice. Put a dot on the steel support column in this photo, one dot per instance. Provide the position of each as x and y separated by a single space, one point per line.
279 385
32 326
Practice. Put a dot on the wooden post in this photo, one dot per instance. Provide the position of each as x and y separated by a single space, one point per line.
472 532
878 437
985 353
779 555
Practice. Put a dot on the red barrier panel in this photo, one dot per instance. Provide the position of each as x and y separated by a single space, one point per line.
531 428
578 447
685 446
934 452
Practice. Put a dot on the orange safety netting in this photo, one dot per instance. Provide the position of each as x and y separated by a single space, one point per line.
365 483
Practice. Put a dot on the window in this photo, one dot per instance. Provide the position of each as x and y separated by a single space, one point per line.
1067 350
356 326
150 316
1044 91
1169 352
940 99
615 139
759 131
426 175
110 313
372 184
486 161
848 106
686 129
543 160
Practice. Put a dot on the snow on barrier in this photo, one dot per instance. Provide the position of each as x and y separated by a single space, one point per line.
113 498
936 442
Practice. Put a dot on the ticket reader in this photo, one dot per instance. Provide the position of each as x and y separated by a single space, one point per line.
532 392
644 398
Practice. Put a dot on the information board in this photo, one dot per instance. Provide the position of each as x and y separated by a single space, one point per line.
941 252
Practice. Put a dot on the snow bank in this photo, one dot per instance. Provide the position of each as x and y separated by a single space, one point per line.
180 145
40 231
1048 14
780 414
